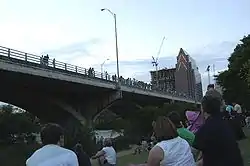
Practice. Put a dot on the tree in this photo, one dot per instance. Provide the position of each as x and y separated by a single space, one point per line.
236 80
15 124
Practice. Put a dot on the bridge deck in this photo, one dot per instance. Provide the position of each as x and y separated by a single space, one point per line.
9 58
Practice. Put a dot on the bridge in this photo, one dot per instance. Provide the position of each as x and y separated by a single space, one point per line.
46 86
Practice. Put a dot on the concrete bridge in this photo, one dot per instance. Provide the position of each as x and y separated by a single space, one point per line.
55 91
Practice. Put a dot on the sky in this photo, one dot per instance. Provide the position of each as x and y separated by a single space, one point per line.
77 32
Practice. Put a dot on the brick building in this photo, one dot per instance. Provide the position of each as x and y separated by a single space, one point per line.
184 79
166 79
187 76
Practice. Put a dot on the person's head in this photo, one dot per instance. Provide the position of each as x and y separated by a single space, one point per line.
175 118
107 142
234 103
78 148
52 133
210 105
210 86
164 129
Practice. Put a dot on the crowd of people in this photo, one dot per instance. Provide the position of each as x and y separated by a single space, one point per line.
208 138
44 61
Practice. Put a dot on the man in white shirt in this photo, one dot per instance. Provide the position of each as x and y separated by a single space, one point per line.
106 156
52 154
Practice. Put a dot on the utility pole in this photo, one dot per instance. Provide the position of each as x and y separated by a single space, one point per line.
214 74
208 72
116 45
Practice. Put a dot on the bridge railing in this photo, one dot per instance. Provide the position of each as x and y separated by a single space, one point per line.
43 61
46 62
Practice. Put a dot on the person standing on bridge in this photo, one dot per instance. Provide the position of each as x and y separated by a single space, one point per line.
52 154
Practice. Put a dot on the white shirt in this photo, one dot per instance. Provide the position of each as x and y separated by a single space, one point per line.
52 155
177 152
237 108
110 155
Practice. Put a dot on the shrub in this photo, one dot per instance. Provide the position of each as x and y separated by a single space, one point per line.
121 143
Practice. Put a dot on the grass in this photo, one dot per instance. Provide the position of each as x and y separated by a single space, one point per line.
132 159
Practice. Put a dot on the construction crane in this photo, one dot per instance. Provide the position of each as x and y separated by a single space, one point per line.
155 61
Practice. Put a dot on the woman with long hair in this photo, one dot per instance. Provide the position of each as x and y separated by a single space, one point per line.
171 150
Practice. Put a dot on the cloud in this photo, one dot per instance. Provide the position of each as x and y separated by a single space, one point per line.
75 47
73 52
213 54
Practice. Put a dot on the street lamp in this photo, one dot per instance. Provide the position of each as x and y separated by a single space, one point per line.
102 65
116 44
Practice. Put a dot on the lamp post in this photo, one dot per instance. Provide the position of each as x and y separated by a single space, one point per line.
116 44
102 66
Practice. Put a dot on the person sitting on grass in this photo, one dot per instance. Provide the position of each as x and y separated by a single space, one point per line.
138 148
171 150
106 156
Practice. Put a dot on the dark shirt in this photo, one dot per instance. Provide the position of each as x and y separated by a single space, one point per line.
83 159
217 143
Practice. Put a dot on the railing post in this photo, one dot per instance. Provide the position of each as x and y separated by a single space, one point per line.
9 53
76 69
26 58
65 65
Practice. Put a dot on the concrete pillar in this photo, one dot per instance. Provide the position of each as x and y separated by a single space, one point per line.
87 113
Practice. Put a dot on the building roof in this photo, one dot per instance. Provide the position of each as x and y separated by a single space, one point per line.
165 69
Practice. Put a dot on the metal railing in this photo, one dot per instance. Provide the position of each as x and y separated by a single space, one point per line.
46 62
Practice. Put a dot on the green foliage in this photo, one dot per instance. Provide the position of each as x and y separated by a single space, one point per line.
236 80
76 133
16 154
121 143
16 124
